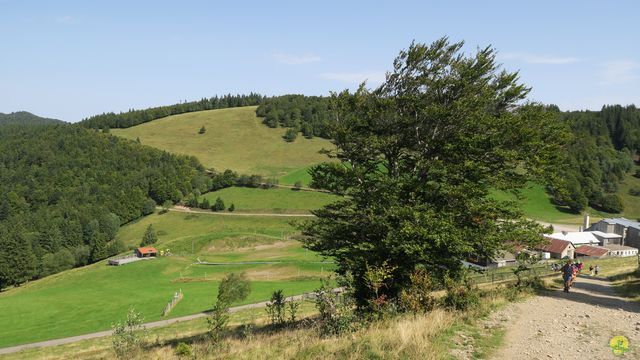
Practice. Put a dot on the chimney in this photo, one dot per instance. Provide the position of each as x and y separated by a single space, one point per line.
586 221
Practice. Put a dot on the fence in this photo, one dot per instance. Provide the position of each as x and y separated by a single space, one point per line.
507 274
174 301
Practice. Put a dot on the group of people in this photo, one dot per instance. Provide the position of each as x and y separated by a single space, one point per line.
570 271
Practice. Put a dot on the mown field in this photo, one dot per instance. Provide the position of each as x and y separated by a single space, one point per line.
278 200
235 139
92 298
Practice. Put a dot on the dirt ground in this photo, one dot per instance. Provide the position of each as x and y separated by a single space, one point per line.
575 325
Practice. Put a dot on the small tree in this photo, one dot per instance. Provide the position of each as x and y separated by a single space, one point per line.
219 205
127 336
202 130
150 236
168 204
276 308
148 207
233 287
232 208
297 185
290 135
205 204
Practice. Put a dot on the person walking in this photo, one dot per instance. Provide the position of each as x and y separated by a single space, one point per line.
567 274
591 270
597 269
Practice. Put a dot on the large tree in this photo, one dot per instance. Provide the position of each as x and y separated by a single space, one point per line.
419 157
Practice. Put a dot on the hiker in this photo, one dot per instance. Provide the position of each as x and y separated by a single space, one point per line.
574 274
580 266
591 270
597 269
567 274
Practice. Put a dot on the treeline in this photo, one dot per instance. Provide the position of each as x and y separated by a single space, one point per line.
137 117
216 181
65 190
26 118
599 157
301 114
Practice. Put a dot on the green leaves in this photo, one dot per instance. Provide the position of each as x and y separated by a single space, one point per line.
419 155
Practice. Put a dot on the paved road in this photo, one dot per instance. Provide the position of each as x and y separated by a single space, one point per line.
149 325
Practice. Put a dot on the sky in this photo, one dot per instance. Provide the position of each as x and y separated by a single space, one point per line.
73 59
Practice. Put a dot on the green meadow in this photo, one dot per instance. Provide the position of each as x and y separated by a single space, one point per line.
279 200
91 298
234 139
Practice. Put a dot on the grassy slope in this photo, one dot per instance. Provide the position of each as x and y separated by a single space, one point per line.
278 199
235 139
301 175
91 298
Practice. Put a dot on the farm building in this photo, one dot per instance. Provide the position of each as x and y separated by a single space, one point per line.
621 251
577 238
628 230
591 251
142 252
557 249
607 238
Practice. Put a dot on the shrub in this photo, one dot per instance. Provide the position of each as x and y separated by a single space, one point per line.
634 192
205 204
202 130
336 311
150 237
168 204
276 308
297 185
218 205
232 208
417 297
184 349
148 207
127 335
293 311
461 295
290 135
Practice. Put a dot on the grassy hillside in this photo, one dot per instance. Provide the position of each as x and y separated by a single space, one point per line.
271 200
536 204
235 139
91 298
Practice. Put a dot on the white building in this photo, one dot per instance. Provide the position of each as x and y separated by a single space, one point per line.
621 251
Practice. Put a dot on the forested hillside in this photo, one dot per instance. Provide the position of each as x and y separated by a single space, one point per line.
599 156
305 114
136 117
65 190
26 118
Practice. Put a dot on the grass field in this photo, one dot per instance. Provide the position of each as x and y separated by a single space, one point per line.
91 298
301 175
537 205
271 200
235 139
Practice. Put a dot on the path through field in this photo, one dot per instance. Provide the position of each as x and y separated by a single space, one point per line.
149 325
577 325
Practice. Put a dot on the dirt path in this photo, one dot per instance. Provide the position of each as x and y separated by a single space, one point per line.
577 325
149 325
185 209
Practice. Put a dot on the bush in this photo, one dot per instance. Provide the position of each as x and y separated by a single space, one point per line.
276 308
183 349
634 192
610 203
336 311
127 338
150 237
205 204
232 208
297 185
417 297
218 205
148 207
202 130
461 295
290 135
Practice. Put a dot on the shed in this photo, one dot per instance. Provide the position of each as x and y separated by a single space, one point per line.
558 249
621 251
592 251
146 252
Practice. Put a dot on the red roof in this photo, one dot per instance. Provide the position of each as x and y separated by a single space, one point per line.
587 250
555 246
147 250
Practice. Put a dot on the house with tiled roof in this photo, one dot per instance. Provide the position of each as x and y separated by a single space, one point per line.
557 249
591 251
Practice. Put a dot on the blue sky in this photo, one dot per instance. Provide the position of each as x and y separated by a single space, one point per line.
73 59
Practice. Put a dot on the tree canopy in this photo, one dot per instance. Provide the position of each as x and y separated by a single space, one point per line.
65 190
419 156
